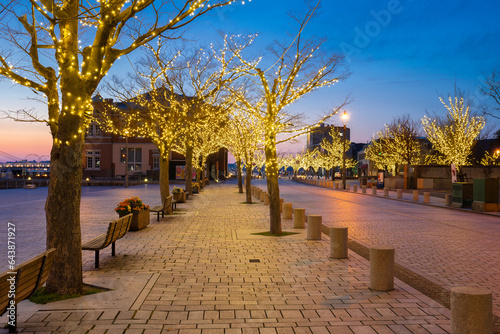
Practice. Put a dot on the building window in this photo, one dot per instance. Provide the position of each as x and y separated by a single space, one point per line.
93 130
93 159
134 158
156 159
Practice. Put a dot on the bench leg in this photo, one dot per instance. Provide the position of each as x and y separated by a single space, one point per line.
113 249
158 216
97 259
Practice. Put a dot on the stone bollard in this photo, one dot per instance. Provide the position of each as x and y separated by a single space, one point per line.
381 268
266 198
336 185
386 191
471 310
415 195
299 218
447 199
374 190
347 187
363 189
257 193
355 188
314 227
262 196
427 197
338 242
400 193
281 205
287 211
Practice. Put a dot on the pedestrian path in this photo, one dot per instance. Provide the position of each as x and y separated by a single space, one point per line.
203 271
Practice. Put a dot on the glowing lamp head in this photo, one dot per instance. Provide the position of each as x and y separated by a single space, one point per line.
497 151
344 117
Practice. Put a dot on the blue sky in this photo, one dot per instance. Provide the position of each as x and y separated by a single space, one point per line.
402 54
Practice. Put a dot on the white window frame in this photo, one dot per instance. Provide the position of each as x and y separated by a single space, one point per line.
94 156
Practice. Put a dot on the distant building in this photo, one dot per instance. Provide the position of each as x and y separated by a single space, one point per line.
104 155
316 135
24 169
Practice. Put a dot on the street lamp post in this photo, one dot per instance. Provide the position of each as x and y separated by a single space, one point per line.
344 117
126 159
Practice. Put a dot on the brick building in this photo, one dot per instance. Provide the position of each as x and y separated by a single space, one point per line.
104 155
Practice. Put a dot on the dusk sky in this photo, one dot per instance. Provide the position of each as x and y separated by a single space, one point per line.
403 55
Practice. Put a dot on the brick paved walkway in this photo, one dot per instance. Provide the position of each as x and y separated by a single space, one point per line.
192 273
449 247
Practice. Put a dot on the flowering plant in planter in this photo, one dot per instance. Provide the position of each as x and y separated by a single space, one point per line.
131 205
176 190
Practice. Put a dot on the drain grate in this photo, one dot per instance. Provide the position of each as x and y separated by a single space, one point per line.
255 260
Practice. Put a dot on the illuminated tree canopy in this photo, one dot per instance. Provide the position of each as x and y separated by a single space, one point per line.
396 145
454 135
291 70
61 50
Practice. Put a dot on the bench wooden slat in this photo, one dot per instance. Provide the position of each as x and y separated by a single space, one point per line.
4 290
30 275
96 243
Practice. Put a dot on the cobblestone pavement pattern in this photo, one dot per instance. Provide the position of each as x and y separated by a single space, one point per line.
450 247
192 273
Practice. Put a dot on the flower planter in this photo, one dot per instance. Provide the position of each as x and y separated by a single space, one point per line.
139 220
179 197
195 190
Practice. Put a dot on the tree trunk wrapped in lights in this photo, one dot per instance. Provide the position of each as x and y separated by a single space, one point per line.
66 75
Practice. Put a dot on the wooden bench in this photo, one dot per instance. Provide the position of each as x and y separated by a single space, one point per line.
167 208
20 283
116 230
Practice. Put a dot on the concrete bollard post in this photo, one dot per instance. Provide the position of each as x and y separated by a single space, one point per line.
281 205
386 191
338 242
374 190
347 187
355 188
336 185
314 227
447 199
287 211
415 195
266 198
400 193
381 268
427 197
257 193
262 195
471 310
299 218
363 189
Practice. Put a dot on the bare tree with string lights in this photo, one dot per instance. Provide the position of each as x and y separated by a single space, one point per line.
298 68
